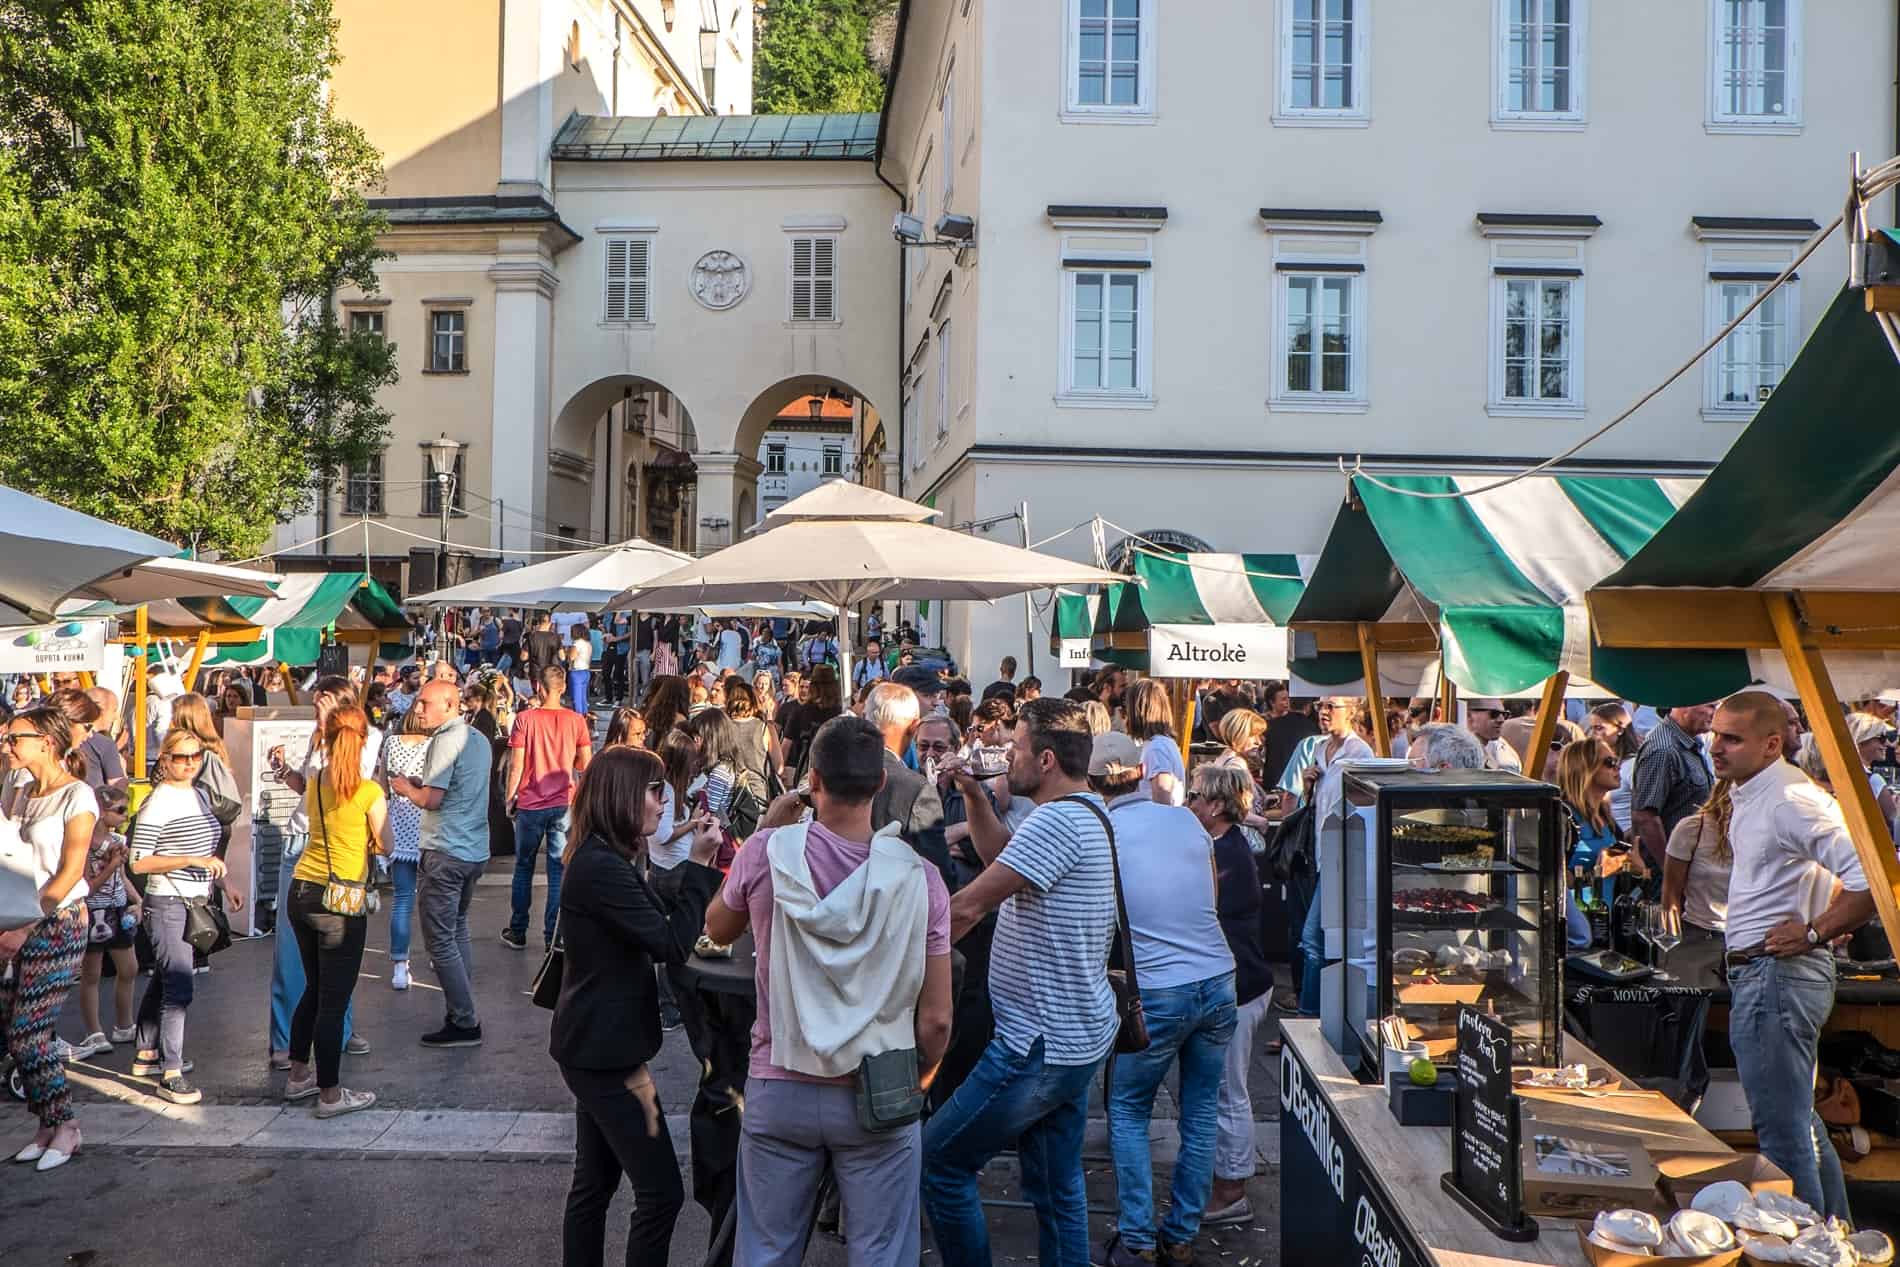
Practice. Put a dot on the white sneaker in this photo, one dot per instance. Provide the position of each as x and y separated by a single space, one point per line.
62 1050
92 1045
124 1033
347 1101
399 975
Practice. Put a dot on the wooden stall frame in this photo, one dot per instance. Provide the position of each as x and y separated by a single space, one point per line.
1803 625
1375 690
141 639
1548 710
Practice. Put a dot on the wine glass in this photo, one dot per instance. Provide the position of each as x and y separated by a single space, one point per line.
1668 934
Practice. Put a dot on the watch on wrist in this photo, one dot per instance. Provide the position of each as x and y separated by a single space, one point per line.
1814 938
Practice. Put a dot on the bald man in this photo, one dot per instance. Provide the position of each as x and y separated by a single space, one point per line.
1786 835
453 794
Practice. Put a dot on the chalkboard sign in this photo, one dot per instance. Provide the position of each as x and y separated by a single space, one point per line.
1486 1174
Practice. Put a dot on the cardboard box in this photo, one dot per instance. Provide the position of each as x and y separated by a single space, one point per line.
1575 1173
1685 1175
1600 1257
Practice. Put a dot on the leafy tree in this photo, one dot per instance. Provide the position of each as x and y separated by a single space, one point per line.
815 56
178 207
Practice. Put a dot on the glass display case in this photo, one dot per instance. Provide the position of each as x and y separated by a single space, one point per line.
1451 894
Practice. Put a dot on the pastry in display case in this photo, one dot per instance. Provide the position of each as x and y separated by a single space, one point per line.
1450 895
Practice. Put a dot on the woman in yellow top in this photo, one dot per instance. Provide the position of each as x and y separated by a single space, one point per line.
347 816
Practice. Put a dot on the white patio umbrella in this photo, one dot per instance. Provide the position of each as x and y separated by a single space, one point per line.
586 579
844 544
49 554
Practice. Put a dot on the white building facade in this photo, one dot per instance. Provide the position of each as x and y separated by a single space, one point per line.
1222 246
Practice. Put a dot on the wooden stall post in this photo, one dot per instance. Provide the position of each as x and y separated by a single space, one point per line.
1375 692
1864 821
141 636
1184 710
197 659
1547 711
86 680
290 682
1447 696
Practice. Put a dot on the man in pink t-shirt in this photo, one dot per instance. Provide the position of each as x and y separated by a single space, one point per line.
793 1120
549 746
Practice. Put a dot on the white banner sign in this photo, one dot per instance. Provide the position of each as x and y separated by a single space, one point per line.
1075 653
1248 652
70 646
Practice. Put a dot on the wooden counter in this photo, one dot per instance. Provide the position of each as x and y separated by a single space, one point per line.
1358 1187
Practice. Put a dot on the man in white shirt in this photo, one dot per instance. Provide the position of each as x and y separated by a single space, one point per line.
1485 719
1780 971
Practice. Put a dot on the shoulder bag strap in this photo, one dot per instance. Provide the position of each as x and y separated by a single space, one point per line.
1121 903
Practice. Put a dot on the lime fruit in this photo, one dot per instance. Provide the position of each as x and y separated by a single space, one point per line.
1424 1073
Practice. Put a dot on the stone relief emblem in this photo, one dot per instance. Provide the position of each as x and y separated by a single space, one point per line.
720 279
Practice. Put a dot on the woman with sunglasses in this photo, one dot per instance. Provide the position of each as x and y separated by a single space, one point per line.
55 812
1587 772
175 846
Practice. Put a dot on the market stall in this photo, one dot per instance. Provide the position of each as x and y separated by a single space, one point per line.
1492 576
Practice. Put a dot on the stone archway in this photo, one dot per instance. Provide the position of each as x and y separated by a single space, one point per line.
620 465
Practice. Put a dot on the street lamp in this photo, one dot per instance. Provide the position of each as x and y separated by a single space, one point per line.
816 404
442 454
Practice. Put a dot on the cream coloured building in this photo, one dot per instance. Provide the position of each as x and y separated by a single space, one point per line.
1216 248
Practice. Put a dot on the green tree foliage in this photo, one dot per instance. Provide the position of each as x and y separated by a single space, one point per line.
814 56
178 207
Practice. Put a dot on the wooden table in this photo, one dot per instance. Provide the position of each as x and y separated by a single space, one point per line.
1356 1186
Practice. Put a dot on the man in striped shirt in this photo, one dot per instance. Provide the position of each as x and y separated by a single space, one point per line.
1053 886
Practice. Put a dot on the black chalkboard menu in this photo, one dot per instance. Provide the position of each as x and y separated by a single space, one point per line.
1486 1174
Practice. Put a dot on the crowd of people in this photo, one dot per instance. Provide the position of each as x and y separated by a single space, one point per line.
937 883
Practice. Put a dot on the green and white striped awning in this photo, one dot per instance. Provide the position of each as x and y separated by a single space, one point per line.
1246 592
1074 617
1504 571
1807 502
306 606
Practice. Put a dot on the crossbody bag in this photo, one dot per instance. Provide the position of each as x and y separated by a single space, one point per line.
1132 1036
340 896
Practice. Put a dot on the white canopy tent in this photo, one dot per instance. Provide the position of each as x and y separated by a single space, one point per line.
842 544
586 580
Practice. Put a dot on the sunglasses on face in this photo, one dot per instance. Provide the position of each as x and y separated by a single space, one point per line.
1611 763
185 756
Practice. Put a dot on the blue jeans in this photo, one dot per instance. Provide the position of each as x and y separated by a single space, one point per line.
286 965
577 680
1312 955
161 1015
1041 1109
1193 1022
532 826
402 909
1775 1016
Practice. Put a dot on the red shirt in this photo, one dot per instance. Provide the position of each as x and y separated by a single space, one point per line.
549 740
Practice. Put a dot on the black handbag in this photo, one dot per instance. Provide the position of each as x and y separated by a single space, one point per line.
1291 852
207 927
1132 1036
546 990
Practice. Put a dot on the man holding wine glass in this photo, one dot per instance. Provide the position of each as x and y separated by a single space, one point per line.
1780 971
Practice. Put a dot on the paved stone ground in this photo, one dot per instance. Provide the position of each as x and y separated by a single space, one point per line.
464 1157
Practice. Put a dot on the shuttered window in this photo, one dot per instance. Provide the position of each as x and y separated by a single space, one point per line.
629 289
814 279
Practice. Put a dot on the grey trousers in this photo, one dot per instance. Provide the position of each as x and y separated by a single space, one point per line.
789 1130
445 887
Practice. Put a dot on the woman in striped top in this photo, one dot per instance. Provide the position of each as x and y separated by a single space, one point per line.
175 846
403 754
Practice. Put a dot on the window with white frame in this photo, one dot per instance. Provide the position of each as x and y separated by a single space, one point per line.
1537 349
920 258
775 458
629 289
1109 67
913 426
1319 345
1540 62
1318 350
367 321
1323 50
949 143
363 486
1107 353
834 459
945 404
814 286
448 341
1754 64
1753 358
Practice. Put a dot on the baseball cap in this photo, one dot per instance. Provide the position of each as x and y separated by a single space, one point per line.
1114 753
922 680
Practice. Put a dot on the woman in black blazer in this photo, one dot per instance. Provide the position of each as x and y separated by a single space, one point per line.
614 928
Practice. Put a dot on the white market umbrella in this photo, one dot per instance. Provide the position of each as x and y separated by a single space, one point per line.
586 579
49 554
843 544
